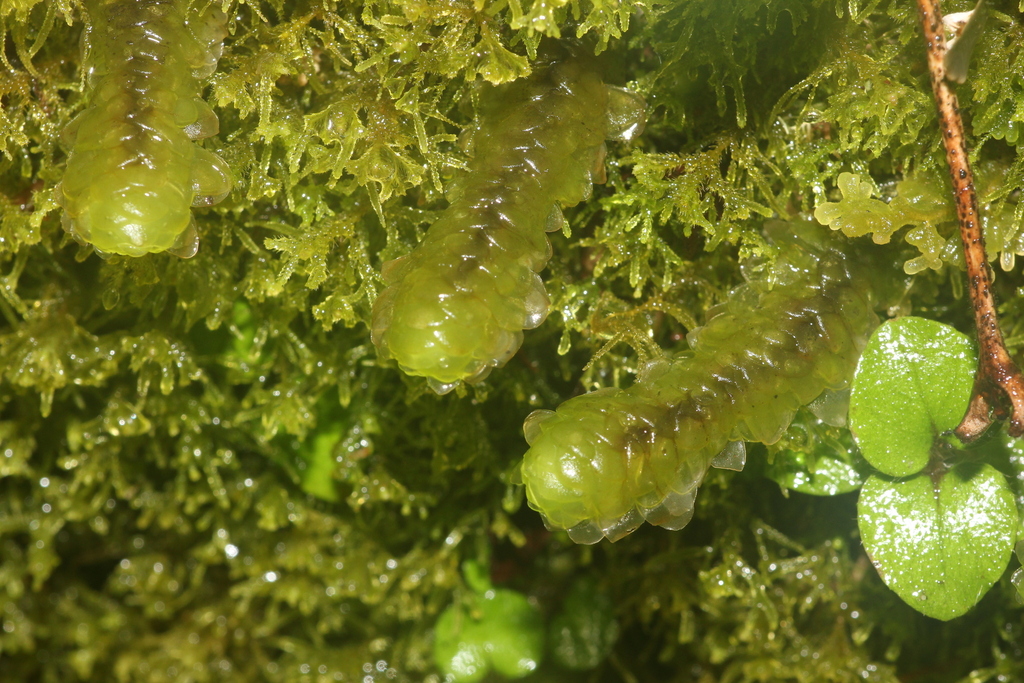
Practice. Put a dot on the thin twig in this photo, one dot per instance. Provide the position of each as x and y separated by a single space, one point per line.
998 385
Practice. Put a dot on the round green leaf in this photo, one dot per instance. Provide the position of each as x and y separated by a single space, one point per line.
1018 582
824 475
827 467
1018 576
583 632
504 631
939 543
515 633
913 382
459 646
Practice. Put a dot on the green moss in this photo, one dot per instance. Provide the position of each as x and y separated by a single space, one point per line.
161 420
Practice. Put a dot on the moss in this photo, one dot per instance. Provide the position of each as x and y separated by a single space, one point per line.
161 419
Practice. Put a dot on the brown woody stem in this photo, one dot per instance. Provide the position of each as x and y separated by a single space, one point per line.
998 385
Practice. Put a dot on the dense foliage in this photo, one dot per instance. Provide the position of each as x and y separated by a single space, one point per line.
207 474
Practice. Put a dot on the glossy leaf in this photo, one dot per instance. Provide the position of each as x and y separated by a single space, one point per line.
830 469
817 455
1018 576
939 542
583 632
913 382
503 631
